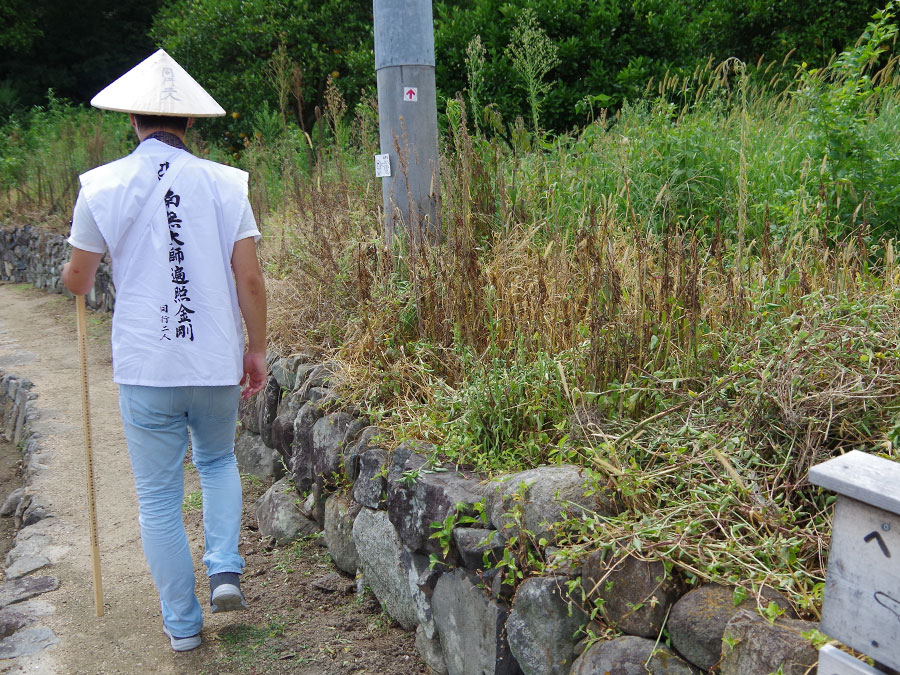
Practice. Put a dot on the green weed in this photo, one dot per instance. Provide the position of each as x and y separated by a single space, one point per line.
193 501
247 646
462 516
250 479
286 559
533 55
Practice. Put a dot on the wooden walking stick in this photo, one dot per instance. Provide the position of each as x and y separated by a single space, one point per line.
88 454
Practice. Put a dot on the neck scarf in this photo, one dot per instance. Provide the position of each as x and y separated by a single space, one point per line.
168 139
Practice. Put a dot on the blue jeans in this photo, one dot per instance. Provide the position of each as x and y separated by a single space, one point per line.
156 421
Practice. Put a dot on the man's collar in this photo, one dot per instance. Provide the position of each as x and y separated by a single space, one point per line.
168 139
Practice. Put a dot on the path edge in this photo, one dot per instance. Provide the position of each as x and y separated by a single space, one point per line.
20 636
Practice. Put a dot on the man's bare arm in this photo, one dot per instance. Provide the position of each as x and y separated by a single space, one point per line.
251 292
78 273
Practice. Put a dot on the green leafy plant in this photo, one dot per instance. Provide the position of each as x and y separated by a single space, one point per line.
475 65
247 645
193 501
510 410
772 612
523 553
533 56
287 559
842 100
410 477
251 479
461 516
817 638
739 595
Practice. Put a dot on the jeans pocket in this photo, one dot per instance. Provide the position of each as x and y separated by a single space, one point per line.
223 403
147 407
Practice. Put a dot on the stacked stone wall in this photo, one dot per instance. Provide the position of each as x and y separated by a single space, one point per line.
25 563
32 255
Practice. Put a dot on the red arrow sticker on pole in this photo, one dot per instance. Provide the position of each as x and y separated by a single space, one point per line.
410 94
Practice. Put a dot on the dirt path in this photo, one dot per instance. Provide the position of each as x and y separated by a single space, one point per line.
296 624
38 341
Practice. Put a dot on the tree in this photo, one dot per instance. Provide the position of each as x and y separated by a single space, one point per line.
229 45
45 45
614 47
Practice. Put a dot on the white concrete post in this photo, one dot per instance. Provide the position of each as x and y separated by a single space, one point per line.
862 585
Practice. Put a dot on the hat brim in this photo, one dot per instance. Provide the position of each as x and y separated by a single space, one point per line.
158 85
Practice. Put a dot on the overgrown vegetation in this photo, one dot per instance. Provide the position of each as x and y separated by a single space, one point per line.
696 297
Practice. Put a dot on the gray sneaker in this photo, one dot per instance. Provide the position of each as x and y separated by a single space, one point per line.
182 644
225 592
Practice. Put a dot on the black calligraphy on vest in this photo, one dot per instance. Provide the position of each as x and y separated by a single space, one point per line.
180 300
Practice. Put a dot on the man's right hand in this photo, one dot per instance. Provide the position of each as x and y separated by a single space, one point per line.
254 377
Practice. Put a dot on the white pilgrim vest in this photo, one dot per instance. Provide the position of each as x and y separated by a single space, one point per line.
176 320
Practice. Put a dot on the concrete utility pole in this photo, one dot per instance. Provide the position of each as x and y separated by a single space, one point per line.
407 117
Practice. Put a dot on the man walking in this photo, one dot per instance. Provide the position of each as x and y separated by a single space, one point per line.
182 239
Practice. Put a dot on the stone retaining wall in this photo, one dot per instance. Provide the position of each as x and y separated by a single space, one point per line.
20 631
17 413
430 540
32 255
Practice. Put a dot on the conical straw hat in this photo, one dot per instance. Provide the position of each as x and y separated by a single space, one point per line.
158 86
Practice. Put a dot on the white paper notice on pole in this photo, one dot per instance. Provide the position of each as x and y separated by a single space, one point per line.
382 166
410 94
